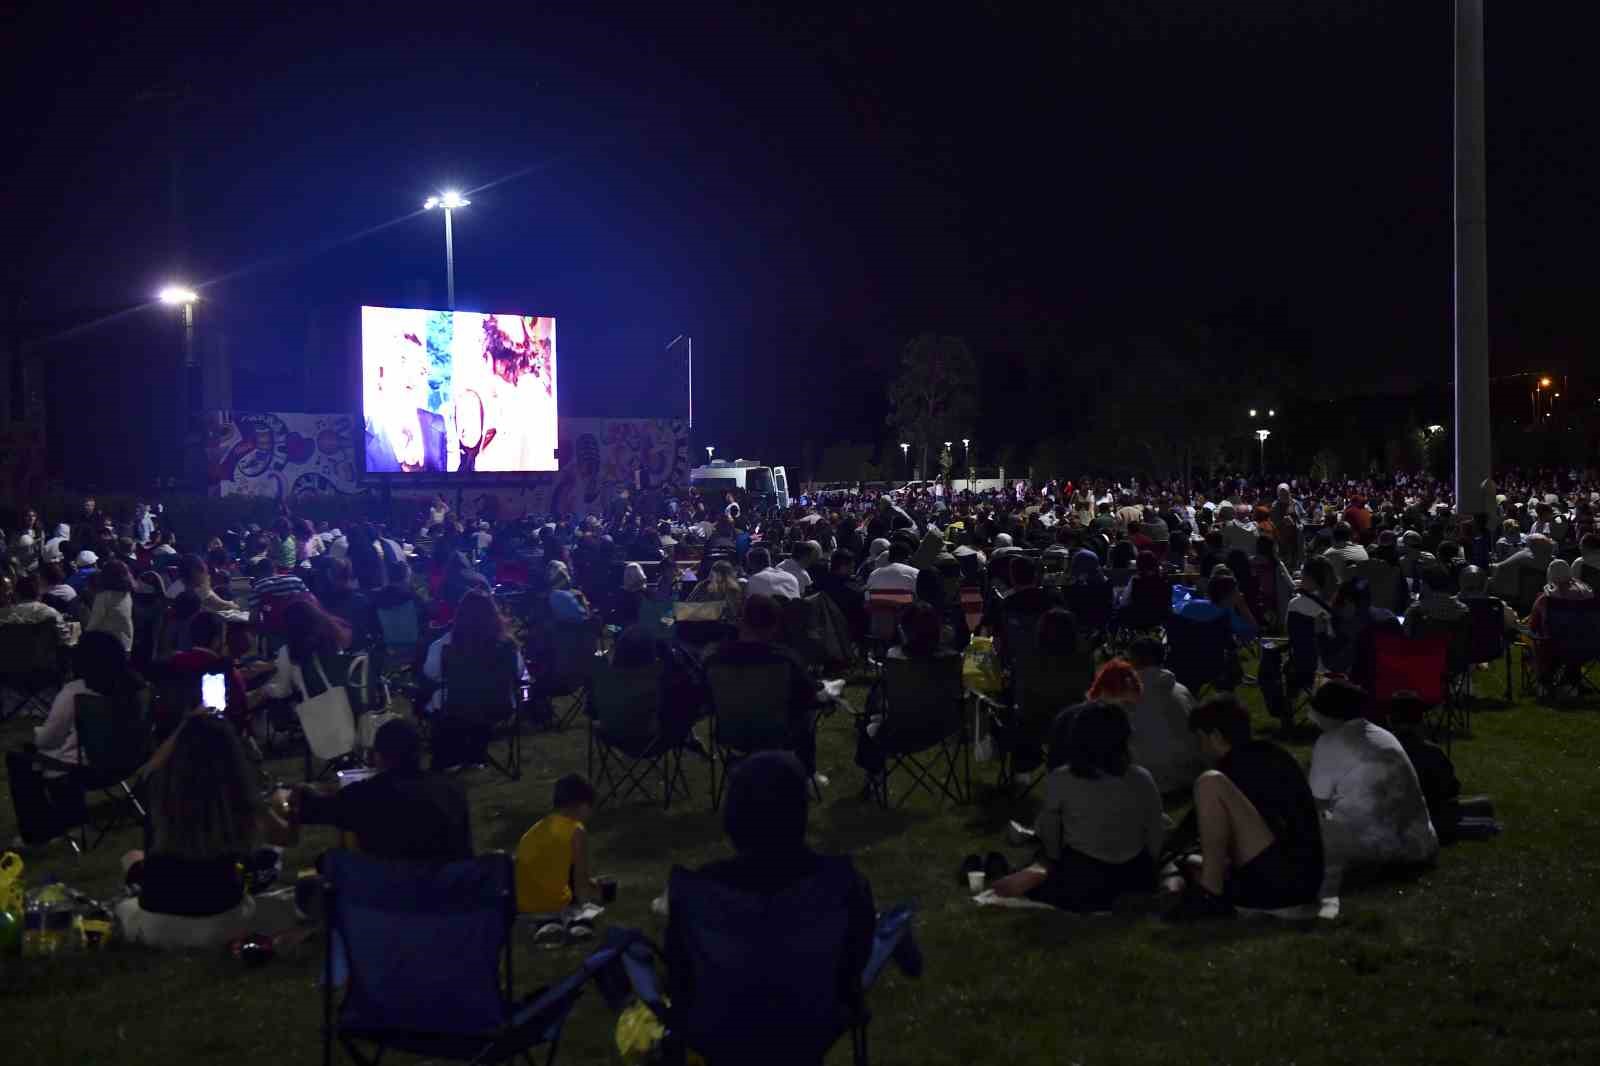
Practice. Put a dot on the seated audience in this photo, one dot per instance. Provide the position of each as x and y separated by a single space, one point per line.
208 653
1373 811
1101 827
758 644
894 575
567 604
1162 741
1222 600
113 604
1257 823
206 820
401 812
768 580
25 608
721 584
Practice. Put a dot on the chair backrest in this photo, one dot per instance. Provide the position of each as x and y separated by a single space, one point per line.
480 685
112 738
754 977
399 626
1487 621
1457 633
627 702
1046 684
1418 664
1303 651
653 615
29 650
883 617
1197 651
1574 628
1530 583
1149 602
751 704
1089 604
569 648
1389 589
922 701
422 942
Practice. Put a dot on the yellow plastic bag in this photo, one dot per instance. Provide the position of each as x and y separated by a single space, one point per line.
980 667
639 1034
12 898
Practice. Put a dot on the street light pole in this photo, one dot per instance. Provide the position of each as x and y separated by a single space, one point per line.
1262 435
450 202
905 455
689 344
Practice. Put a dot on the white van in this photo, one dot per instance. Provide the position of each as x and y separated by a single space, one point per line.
761 484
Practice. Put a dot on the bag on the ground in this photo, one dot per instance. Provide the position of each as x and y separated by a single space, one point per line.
980 667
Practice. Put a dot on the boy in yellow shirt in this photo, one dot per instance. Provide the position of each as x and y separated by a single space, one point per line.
553 863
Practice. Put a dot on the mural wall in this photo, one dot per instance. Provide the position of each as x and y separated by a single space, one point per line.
285 455
280 454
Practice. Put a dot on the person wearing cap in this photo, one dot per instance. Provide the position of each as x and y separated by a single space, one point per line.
1436 604
1373 810
567 604
1345 553
625 610
85 565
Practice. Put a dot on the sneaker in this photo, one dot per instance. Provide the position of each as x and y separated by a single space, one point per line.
550 935
1198 905
582 929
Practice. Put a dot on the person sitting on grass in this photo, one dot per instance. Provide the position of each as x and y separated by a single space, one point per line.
1162 741
1101 828
206 820
552 859
400 813
1255 819
1441 789
1374 813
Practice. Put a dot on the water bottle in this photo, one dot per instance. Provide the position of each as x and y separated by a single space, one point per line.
56 917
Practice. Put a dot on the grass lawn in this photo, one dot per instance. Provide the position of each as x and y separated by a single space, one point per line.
1491 957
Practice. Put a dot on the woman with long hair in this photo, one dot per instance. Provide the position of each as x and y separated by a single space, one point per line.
206 821
306 543
721 584
479 647
315 640
113 603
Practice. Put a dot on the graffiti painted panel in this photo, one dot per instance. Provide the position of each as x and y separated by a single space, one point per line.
599 456
280 455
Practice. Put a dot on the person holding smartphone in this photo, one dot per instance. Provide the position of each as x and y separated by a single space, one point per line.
209 655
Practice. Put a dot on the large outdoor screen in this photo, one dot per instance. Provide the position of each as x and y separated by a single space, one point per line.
447 392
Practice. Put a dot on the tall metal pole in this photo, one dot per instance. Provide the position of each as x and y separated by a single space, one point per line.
691 382
1471 270
449 261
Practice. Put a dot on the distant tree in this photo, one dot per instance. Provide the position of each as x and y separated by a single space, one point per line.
934 398
1325 465
844 462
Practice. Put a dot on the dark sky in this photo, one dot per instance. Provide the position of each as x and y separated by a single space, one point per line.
801 193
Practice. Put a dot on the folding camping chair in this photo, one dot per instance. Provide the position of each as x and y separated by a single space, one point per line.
1454 714
923 731
480 699
1305 654
402 636
423 955
626 745
112 746
756 978
883 624
1572 643
564 667
1488 639
749 713
30 665
1041 687
1200 654
1420 665
1091 605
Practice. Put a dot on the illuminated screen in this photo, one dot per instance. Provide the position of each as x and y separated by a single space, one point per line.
457 391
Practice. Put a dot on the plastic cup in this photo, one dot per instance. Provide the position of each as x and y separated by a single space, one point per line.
975 880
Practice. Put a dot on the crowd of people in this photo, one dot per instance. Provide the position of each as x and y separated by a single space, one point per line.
1062 569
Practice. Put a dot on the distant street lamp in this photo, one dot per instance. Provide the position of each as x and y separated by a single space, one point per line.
966 457
1262 435
184 297
709 450
905 454
1435 429
449 201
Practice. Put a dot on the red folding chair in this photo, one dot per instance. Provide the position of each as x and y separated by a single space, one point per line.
1420 665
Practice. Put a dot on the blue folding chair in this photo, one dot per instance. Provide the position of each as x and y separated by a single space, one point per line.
754 978
423 954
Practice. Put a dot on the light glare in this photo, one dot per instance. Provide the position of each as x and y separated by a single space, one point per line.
177 295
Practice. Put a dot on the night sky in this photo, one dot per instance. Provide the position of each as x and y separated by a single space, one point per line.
801 193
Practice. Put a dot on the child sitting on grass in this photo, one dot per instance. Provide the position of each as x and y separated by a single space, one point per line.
553 878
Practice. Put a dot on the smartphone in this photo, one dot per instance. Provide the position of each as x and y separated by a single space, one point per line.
214 692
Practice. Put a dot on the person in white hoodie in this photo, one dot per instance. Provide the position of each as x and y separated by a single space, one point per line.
1162 742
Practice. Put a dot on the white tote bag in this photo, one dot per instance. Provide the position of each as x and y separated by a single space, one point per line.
326 720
